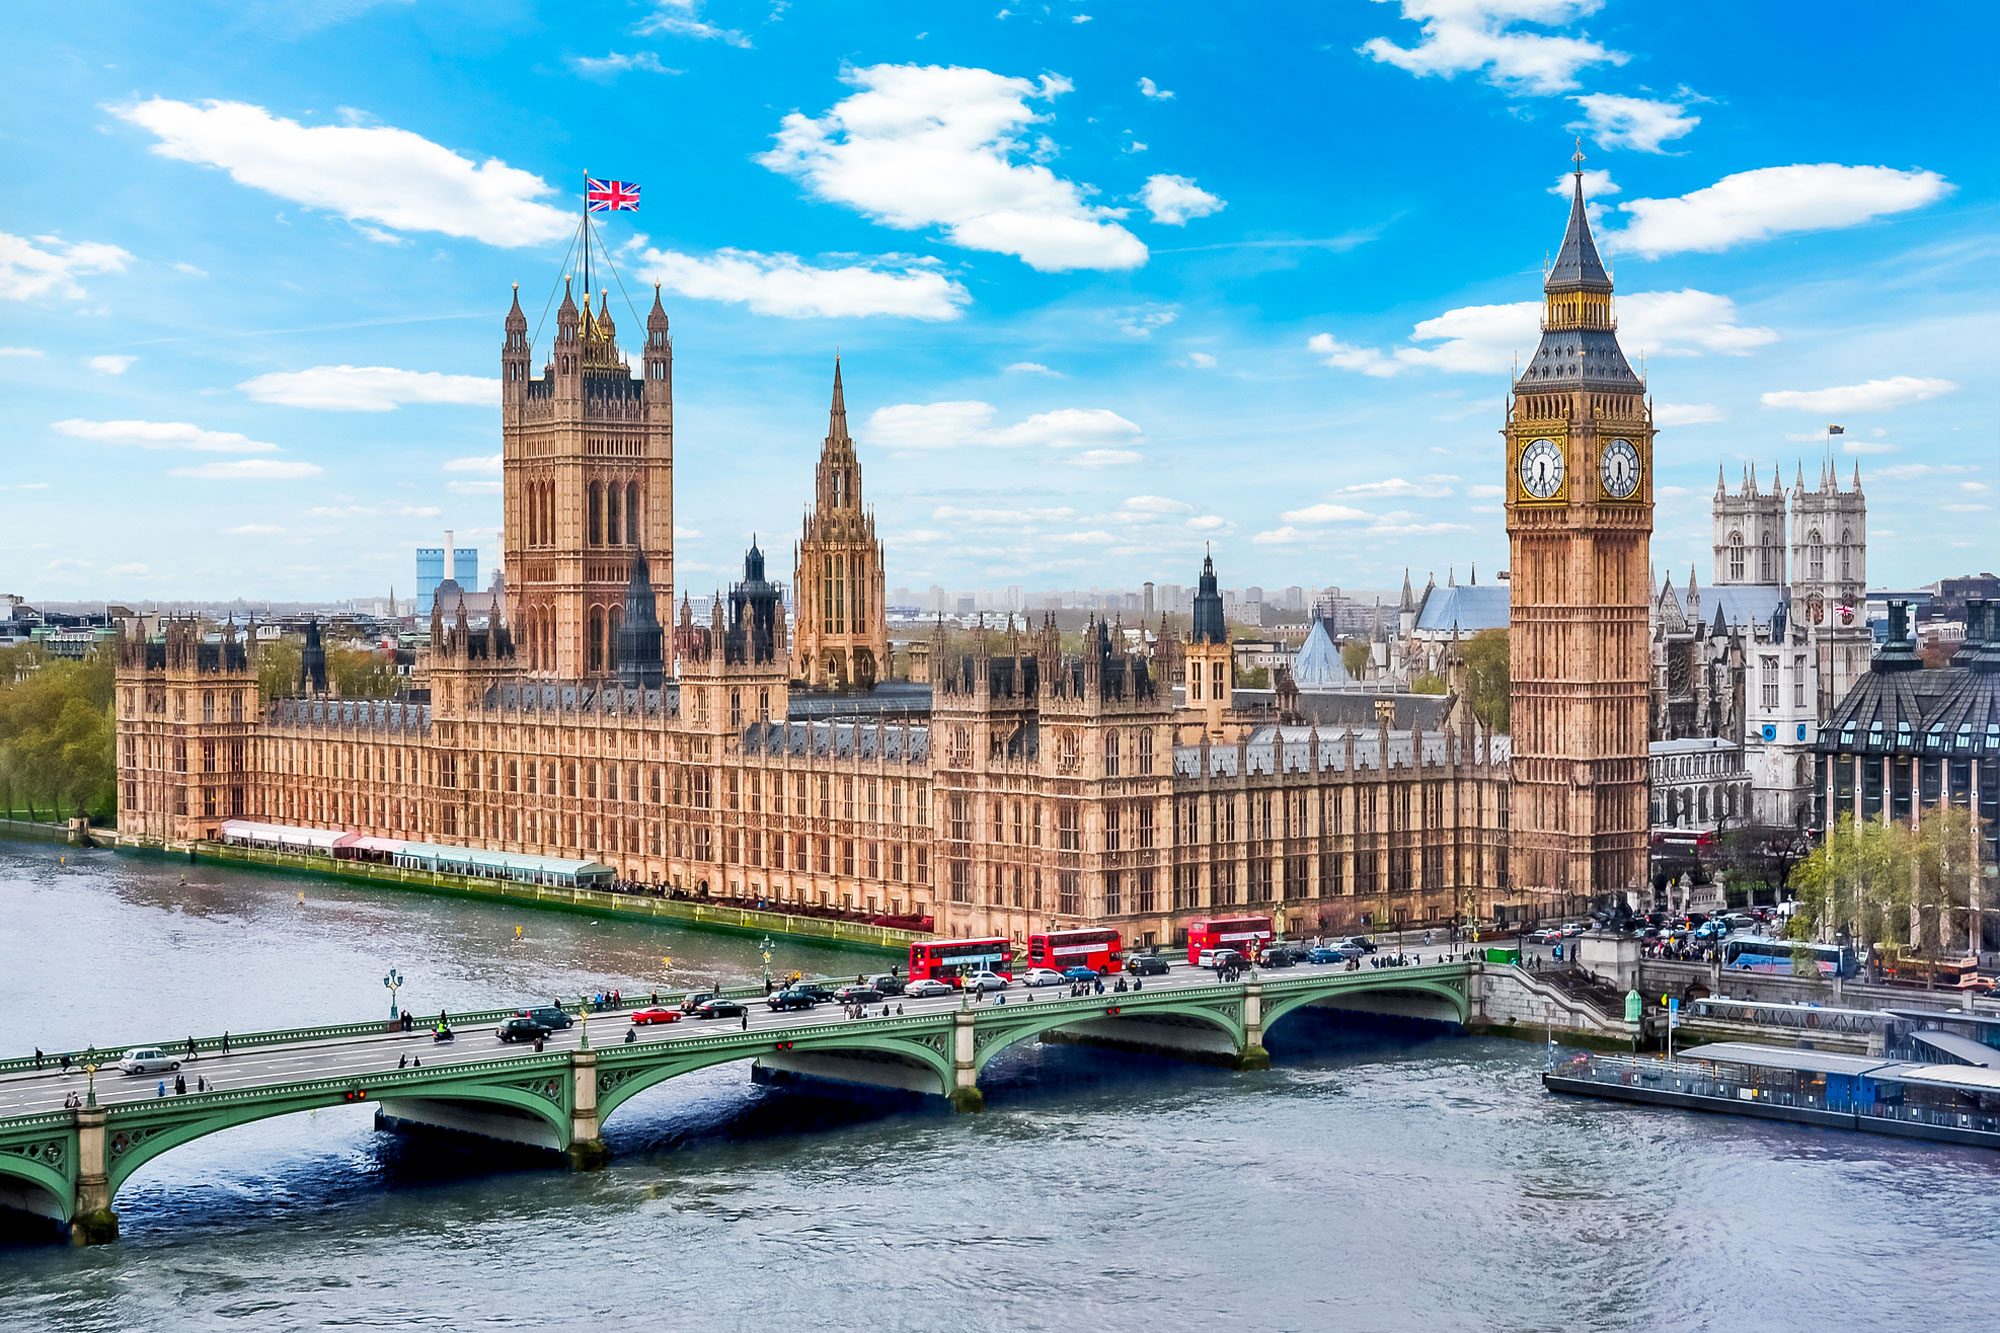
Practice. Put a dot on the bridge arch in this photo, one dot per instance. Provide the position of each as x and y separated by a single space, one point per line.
1450 1003
129 1147
996 1035
39 1177
618 1083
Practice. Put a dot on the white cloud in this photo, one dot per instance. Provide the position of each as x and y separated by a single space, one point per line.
682 18
1157 504
481 463
1327 513
1284 536
136 570
1430 488
110 365
161 435
254 530
369 388
1873 396
1147 88
251 469
1485 491
928 145
1080 18
950 425
1142 321
1633 122
1175 199
1466 36
25 486
364 173
1771 201
613 63
1102 458
1209 523
1596 185
1348 356
1686 414
473 487
1095 537
1402 525
20 351
785 286
1199 360
352 510
1965 508
1030 368
34 267
1484 339
1849 446
1905 471
1973 486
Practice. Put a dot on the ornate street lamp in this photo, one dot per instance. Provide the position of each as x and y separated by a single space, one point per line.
394 982
90 1083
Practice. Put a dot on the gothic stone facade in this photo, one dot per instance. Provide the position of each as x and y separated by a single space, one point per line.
1041 788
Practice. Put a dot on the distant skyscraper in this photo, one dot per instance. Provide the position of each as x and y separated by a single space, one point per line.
430 573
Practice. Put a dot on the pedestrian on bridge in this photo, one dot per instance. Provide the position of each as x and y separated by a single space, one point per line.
225 1041
404 1063
65 1062
746 1020
190 1048
38 1057
161 1091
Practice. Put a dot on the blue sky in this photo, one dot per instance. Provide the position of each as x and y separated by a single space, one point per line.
1110 280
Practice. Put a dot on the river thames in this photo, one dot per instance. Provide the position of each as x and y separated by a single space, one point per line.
1372 1179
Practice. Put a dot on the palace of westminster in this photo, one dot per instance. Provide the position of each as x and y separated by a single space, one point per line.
751 756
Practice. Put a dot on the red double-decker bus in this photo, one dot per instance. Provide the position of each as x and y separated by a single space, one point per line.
947 960
1246 934
1097 950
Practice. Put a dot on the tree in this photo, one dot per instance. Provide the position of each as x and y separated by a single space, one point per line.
362 673
1427 682
56 736
278 667
1487 682
1760 854
1254 678
1355 655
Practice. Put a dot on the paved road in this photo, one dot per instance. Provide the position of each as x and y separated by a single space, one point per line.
28 1092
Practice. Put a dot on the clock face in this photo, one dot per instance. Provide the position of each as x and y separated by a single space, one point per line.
1541 469
1619 469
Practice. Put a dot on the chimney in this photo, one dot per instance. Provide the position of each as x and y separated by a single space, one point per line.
450 556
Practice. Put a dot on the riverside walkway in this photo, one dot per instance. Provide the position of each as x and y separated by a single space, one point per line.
68 1163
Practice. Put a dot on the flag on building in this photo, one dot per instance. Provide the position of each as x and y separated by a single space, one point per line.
1830 430
610 196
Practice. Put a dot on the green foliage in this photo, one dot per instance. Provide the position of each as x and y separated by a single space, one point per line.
1914 890
1354 655
56 736
1254 678
1427 682
1487 682
362 673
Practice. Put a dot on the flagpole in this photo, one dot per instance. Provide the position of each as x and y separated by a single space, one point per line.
586 236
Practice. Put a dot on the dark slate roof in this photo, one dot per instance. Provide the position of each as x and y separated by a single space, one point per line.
377 714
572 697
1577 264
1588 358
889 742
896 698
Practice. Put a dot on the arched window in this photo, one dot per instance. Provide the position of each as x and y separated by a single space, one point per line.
613 497
633 531
596 513
1846 554
1815 556
594 638
1735 557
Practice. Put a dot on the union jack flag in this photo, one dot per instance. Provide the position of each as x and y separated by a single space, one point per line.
610 196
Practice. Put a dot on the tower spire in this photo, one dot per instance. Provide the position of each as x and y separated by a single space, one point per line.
836 421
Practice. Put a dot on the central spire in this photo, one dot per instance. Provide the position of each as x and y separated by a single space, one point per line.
836 418
1577 266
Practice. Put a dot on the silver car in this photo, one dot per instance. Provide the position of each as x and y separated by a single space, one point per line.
147 1060
926 989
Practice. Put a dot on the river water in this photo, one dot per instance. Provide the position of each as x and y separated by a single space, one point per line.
1374 1178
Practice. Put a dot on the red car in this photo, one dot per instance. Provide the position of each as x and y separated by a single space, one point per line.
643 1017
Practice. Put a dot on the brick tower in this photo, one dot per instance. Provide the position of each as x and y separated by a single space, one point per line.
587 458
843 638
1579 522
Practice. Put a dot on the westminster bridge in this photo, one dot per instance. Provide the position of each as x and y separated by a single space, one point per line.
69 1139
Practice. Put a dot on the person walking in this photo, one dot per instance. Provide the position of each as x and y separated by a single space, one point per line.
161 1090
225 1041
746 1020
190 1048
38 1057
65 1062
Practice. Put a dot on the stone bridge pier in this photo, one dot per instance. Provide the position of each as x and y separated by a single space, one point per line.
91 1220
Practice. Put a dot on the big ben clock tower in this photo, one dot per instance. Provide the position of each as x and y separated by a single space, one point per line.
1579 522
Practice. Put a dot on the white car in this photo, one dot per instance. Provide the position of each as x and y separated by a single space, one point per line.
1213 958
147 1060
982 982
1042 976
